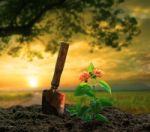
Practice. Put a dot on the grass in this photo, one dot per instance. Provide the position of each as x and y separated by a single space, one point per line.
8 99
6 96
133 102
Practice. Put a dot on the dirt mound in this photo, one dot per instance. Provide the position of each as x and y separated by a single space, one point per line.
31 119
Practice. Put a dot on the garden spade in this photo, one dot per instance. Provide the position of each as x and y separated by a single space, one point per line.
52 100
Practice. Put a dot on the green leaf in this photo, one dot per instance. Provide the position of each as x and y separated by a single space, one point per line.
83 110
87 117
72 110
95 106
78 106
91 68
84 89
105 86
101 118
105 102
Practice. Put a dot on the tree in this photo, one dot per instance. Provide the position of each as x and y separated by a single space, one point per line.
101 20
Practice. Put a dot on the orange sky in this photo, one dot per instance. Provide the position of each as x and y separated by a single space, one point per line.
16 73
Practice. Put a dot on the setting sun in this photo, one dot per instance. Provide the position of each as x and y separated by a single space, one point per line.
33 82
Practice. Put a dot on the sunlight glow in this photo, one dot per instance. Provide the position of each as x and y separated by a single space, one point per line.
33 82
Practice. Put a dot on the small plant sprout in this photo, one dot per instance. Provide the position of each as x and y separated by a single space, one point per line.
92 110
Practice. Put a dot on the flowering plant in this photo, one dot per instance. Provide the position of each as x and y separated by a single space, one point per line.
92 110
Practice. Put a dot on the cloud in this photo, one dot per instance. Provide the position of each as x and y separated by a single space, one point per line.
138 8
140 12
142 3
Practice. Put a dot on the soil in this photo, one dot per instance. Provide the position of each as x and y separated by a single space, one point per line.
31 119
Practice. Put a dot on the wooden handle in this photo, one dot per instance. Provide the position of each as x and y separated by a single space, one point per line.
59 65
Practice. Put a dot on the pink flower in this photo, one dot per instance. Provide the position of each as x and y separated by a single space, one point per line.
98 72
84 76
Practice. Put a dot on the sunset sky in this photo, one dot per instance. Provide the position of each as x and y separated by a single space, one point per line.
131 63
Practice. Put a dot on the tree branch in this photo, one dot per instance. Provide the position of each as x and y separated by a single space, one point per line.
27 29
11 30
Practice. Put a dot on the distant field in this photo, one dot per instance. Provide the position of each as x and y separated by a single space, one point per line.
134 102
14 95
8 99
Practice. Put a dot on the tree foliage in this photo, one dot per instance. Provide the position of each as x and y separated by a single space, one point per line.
100 20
